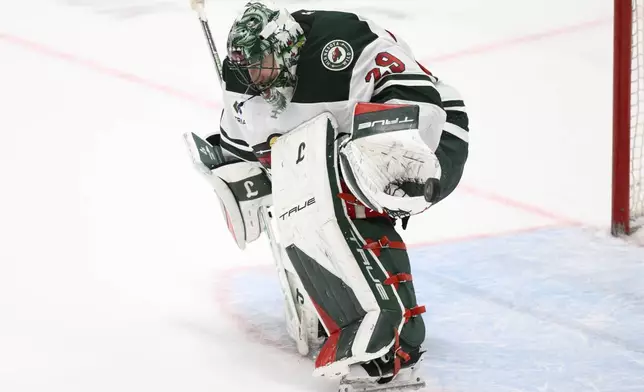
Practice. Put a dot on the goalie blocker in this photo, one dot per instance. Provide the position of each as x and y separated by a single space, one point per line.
340 239
241 187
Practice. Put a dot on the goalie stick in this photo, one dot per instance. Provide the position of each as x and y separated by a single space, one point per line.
297 326
199 8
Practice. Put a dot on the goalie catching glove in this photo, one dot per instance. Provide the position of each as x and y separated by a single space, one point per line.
242 187
386 164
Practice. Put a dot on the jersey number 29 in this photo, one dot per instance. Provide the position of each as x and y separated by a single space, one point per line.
385 60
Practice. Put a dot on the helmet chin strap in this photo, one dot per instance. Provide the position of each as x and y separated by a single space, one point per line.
276 99
280 94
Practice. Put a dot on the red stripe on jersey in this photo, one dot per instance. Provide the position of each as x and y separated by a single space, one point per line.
424 69
368 107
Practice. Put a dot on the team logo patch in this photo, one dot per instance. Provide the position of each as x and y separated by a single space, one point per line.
337 55
238 112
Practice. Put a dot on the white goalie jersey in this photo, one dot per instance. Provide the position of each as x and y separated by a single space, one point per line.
347 60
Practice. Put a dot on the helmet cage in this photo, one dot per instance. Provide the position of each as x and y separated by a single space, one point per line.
262 31
240 66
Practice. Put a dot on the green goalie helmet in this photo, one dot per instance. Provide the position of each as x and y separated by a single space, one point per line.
262 31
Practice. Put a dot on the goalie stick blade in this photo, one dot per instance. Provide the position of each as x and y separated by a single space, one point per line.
393 386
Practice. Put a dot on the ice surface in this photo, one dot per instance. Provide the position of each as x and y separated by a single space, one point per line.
539 311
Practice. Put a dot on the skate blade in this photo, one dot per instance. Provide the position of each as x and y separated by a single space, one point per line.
393 386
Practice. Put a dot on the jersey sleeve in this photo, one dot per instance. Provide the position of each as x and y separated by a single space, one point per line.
230 137
230 134
388 73
453 148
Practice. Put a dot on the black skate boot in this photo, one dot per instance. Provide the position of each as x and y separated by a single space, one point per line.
382 374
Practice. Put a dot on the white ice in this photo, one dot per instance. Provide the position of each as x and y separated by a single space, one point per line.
116 269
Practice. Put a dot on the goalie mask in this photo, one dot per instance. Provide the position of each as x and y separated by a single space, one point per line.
263 49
